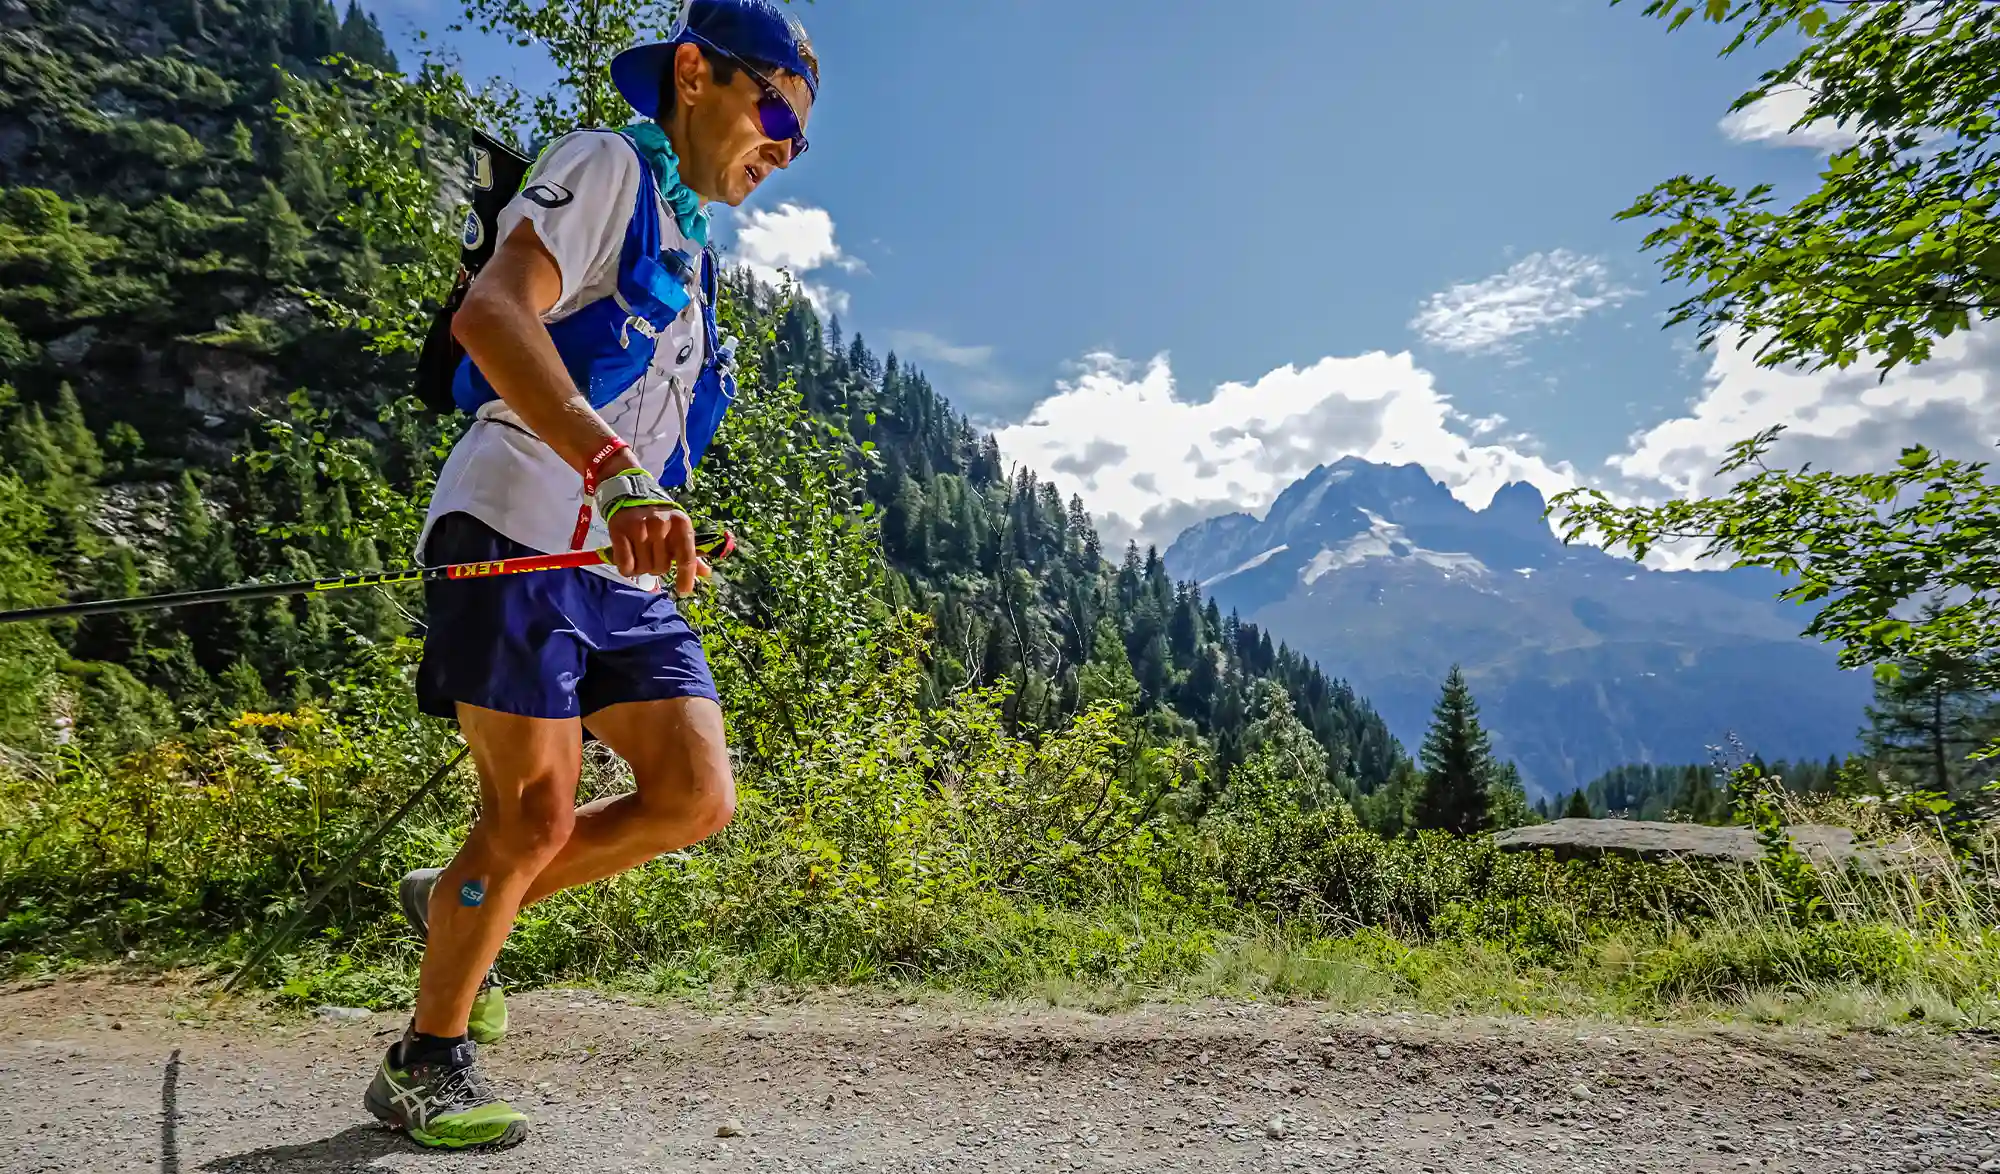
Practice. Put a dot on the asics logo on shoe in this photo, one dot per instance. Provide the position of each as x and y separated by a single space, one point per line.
411 1101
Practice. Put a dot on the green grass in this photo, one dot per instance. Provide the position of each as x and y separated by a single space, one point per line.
835 876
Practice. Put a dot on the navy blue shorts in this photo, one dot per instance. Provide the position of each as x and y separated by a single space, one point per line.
552 644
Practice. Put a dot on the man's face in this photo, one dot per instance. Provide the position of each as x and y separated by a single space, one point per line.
727 155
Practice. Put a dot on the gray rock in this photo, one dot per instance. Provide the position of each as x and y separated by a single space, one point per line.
1573 839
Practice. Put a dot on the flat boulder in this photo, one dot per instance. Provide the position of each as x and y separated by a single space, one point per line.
1637 839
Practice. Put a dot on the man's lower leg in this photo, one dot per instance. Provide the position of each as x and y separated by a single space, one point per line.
617 834
528 771
683 794
471 912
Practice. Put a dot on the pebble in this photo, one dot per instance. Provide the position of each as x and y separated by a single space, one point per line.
1384 1051
342 1014
1275 1129
730 1127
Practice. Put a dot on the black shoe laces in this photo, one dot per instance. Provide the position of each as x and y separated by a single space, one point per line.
461 1088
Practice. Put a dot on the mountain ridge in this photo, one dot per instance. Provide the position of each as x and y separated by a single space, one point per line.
1581 660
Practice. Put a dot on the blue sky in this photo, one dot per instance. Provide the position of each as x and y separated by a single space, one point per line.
1180 253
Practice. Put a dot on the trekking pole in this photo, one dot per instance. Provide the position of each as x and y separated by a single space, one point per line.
271 943
713 547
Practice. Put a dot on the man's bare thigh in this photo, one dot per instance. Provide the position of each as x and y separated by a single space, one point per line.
677 744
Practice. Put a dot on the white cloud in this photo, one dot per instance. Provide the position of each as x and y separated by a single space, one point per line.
1843 421
793 239
921 344
1849 421
1771 119
1542 291
977 385
1149 462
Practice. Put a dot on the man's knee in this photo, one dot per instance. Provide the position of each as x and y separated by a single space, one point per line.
687 806
530 832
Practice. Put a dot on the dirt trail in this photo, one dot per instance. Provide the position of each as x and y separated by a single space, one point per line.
97 1076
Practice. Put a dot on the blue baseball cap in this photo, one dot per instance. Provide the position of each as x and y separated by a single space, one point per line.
753 30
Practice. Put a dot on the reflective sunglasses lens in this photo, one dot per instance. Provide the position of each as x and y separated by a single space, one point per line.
775 114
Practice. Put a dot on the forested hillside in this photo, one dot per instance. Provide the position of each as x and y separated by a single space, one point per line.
1020 588
196 400
1696 792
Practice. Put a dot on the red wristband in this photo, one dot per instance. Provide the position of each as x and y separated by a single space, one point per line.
596 465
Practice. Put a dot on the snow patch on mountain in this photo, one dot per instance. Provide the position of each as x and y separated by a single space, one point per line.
1251 565
1385 539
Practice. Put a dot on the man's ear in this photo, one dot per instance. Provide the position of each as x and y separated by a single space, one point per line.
691 72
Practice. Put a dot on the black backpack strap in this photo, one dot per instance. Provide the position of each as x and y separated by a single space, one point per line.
495 175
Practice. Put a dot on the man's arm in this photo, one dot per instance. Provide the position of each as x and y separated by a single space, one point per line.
500 326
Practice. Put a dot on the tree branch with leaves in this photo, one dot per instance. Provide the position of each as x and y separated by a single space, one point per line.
1898 248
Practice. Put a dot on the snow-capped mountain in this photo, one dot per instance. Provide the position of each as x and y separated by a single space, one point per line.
1580 660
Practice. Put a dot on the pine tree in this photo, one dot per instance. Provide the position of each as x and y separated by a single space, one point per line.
1081 532
1458 764
1509 798
1288 765
1390 810
279 235
1578 806
361 38
1107 675
82 457
1929 720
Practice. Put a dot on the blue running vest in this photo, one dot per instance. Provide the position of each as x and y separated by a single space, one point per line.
608 344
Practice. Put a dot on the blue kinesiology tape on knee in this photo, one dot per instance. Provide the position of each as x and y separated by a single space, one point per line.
471 893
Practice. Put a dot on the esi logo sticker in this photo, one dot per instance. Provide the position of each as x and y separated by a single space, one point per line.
472 893
475 232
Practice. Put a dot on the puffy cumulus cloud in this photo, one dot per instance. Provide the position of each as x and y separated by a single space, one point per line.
1542 291
1844 421
1150 463
1774 119
797 240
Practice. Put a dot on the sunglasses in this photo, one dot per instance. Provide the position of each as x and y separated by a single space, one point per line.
775 113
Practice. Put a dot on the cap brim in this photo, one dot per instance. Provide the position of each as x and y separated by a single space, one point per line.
637 73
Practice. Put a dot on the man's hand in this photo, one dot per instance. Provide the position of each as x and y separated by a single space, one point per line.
656 540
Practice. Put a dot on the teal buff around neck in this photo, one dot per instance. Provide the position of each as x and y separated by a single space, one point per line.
692 217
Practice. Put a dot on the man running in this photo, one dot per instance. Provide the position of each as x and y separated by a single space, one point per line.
596 381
